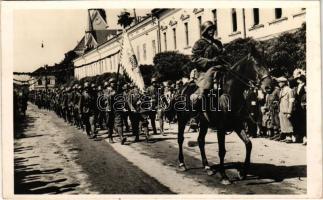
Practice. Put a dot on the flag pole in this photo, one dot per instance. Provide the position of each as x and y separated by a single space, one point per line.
117 78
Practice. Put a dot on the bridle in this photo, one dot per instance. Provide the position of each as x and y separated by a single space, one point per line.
245 80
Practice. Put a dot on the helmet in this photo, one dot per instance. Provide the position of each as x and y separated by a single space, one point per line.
153 80
112 80
86 84
125 87
205 26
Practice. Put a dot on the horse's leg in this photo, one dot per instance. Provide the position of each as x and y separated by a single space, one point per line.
201 142
221 141
180 139
243 136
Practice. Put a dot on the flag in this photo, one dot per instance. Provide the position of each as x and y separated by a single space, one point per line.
129 62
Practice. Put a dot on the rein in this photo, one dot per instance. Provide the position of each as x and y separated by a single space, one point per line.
246 81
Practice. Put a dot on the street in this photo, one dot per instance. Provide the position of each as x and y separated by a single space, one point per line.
53 157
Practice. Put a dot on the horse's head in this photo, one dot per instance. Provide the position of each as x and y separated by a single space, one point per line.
261 75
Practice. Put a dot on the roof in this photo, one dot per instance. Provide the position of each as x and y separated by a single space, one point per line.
100 36
80 46
42 70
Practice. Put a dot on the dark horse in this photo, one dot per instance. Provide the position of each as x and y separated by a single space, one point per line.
229 117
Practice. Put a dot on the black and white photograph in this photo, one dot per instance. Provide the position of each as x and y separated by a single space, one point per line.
154 100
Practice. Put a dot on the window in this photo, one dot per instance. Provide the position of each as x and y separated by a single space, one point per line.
165 40
186 33
40 82
278 13
215 21
47 81
138 53
234 20
144 51
174 35
153 44
199 19
255 16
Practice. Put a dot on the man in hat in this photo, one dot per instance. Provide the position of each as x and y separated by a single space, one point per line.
286 104
206 54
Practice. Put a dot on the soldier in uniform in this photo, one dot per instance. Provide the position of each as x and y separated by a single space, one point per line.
101 113
69 113
153 93
76 111
115 108
206 54
87 110
125 114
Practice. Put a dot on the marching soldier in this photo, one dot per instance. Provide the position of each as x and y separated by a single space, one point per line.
69 114
101 117
87 110
153 94
76 106
115 109
133 97
125 90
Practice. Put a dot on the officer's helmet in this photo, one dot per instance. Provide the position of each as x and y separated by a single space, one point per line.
206 26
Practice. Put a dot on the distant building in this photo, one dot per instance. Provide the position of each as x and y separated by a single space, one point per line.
178 29
43 78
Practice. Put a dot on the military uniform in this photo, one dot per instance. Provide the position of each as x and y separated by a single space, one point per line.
206 54
87 105
115 110
153 94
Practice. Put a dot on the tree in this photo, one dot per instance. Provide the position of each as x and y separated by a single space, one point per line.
147 72
170 65
124 19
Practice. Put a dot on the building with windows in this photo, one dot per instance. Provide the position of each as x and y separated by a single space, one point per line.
178 29
43 78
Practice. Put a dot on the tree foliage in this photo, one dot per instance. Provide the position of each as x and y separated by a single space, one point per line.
286 53
147 71
169 65
124 19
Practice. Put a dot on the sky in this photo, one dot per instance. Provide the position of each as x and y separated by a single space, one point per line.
58 30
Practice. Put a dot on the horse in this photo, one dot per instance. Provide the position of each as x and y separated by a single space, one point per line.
229 117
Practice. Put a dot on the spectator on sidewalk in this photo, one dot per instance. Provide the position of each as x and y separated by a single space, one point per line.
286 103
300 111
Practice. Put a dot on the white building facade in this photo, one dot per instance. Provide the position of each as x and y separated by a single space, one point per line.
178 29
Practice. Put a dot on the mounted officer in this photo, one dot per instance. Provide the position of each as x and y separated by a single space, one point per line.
206 54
